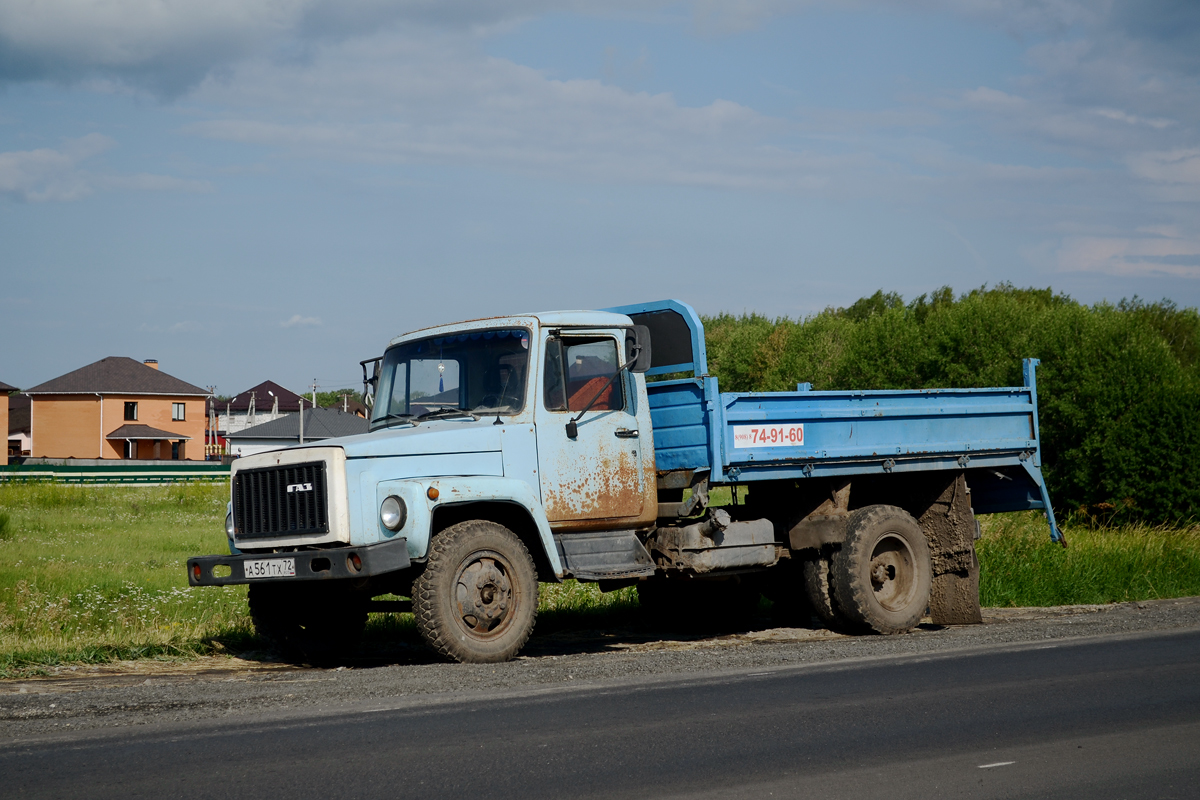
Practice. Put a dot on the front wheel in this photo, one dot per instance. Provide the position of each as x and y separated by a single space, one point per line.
476 601
882 574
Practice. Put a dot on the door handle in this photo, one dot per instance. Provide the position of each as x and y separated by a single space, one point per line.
624 433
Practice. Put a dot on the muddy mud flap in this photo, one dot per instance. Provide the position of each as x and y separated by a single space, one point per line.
305 565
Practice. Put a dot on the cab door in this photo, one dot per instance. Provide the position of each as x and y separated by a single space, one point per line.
598 477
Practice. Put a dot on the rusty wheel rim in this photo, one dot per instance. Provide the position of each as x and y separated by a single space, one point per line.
893 578
483 595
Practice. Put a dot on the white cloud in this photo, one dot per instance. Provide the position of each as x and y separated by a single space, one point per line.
300 321
1162 254
169 46
56 175
1174 166
1117 114
40 175
397 99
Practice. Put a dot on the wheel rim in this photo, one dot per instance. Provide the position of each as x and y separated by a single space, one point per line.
483 595
893 577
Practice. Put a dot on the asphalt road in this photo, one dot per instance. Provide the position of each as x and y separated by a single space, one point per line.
1098 717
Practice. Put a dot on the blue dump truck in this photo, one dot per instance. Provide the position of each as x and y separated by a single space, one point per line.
585 444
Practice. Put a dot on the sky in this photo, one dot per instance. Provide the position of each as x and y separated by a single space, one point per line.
252 190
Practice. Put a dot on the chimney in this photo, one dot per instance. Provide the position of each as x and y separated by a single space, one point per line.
152 363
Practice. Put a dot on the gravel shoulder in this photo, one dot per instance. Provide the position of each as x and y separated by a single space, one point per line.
225 690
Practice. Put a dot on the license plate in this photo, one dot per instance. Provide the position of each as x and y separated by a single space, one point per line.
769 435
270 568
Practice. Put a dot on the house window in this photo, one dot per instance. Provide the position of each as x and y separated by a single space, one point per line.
177 412
131 411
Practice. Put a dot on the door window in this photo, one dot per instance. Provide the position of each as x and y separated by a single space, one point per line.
578 369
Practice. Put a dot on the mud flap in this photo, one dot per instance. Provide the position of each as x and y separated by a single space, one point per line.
954 598
949 527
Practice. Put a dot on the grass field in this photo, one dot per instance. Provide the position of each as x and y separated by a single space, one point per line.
93 574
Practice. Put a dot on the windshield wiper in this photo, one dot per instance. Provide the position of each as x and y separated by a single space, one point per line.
448 411
409 418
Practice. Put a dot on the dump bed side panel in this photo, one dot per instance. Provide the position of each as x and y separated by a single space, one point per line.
991 434
682 414
768 429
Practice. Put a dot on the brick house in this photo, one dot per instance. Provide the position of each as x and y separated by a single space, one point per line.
117 408
4 390
18 426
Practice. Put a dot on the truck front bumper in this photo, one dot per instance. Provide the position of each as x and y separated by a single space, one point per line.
305 565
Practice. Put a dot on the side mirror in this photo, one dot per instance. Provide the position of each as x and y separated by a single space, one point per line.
637 348
371 383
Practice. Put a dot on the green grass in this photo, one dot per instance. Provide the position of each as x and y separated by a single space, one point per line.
97 573
1020 566
92 574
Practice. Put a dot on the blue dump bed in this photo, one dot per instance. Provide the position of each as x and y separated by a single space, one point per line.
991 434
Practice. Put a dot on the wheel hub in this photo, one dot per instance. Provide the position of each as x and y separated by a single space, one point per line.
483 595
892 573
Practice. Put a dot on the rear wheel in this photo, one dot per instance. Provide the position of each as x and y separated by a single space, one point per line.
882 574
476 601
820 595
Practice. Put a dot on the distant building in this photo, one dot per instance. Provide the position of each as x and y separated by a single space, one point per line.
319 423
262 403
4 390
117 408
18 426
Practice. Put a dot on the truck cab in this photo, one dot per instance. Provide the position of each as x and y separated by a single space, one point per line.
537 425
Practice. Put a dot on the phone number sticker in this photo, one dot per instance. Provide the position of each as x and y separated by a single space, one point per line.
788 435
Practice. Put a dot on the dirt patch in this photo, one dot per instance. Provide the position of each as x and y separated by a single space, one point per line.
267 666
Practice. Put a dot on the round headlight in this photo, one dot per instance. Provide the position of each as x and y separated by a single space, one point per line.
229 524
392 513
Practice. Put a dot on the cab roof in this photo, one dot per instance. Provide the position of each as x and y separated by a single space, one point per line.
549 319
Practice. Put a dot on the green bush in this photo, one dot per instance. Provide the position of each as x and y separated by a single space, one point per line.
1119 386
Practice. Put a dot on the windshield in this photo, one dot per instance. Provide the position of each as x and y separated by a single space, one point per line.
483 372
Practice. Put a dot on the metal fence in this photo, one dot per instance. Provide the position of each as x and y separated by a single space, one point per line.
117 472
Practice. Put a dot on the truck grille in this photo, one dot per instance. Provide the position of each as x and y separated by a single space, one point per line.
280 501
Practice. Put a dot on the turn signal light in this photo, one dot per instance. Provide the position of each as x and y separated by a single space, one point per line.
354 562
432 494
196 571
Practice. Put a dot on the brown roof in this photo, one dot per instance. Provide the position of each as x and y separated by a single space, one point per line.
4 387
264 398
143 432
117 375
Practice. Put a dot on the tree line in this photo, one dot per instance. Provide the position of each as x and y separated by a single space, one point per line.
1118 387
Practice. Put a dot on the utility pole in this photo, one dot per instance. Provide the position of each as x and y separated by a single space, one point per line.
210 437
